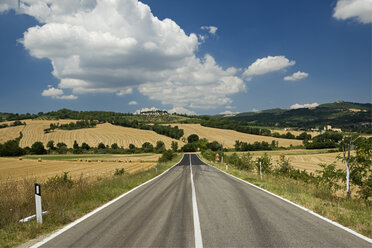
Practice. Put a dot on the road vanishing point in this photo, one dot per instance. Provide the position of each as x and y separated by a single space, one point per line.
194 205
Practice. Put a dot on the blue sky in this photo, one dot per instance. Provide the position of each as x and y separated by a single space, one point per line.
123 56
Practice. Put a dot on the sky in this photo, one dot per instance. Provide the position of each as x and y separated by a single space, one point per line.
193 57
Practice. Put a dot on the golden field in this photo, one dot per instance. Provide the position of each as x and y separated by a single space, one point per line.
308 160
228 137
106 133
13 169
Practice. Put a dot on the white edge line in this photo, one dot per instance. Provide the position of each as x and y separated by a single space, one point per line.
299 206
64 229
197 230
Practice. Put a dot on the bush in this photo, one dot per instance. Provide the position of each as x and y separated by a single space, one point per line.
160 147
59 181
192 138
190 147
284 166
167 156
329 177
119 172
265 163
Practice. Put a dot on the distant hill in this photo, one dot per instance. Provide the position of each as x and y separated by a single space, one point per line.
346 115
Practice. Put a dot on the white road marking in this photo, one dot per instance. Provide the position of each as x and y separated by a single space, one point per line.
301 207
64 229
197 231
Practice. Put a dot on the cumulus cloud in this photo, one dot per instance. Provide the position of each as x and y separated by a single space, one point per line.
132 103
361 10
309 105
181 110
211 29
134 49
296 76
139 111
57 94
266 65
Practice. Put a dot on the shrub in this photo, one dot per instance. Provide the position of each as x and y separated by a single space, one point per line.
38 148
192 138
59 181
265 163
119 172
167 156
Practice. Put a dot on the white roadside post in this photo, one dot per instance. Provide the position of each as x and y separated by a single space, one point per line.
39 216
260 170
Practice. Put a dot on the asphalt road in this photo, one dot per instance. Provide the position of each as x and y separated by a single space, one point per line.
229 213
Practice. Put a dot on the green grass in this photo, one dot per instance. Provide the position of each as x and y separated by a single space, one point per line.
353 213
65 204
74 157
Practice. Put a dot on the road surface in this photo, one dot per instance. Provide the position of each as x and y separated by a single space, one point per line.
221 212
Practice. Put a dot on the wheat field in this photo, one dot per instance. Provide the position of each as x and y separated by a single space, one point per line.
13 169
106 133
228 137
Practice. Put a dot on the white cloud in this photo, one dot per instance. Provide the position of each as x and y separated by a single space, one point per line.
361 10
211 29
134 49
266 65
125 92
57 93
132 103
138 111
68 97
310 105
296 76
181 110
228 112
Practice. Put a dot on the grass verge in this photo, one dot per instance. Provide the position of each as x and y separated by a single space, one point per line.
354 213
66 201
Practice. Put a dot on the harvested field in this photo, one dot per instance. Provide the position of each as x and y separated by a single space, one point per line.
13 169
228 137
296 133
106 133
10 133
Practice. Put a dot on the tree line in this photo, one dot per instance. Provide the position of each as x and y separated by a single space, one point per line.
72 125
14 124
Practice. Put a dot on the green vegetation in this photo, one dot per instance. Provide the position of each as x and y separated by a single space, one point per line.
72 125
346 115
14 124
64 198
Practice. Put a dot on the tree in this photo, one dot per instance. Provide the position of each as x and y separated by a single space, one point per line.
11 148
50 145
357 166
192 138
85 146
160 147
61 148
147 147
347 145
174 146
38 148
101 146
75 145
114 146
